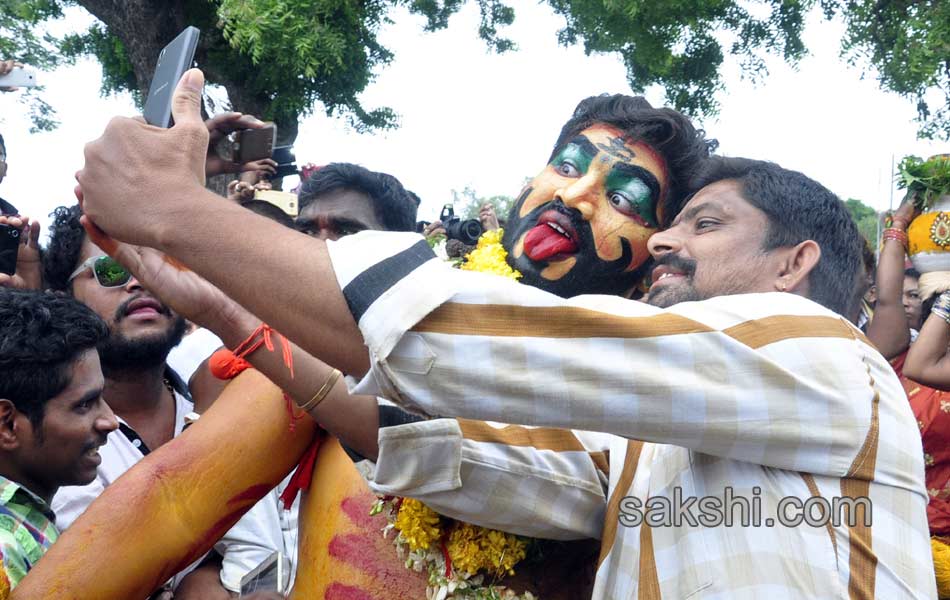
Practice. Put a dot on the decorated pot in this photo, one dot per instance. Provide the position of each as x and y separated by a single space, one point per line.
929 238
344 555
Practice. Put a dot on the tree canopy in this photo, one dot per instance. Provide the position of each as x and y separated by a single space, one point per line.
866 218
279 58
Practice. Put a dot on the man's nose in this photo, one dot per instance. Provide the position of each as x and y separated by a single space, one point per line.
580 194
326 234
107 421
132 284
664 242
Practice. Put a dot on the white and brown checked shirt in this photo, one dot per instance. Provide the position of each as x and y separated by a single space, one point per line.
769 394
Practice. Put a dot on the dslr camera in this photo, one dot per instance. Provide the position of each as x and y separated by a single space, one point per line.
467 231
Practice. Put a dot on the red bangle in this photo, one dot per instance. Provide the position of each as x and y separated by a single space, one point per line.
892 233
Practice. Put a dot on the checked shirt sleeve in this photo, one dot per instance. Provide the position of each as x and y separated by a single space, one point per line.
773 379
537 482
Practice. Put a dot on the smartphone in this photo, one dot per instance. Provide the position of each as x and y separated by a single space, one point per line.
19 77
9 248
173 61
285 201
253 144
286 162
266 577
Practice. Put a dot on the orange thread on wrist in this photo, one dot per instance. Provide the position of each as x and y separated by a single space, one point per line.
228 364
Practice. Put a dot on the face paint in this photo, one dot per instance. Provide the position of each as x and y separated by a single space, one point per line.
582 224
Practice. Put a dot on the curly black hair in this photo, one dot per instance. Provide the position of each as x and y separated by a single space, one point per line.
41 335
395 207
670 133
66 236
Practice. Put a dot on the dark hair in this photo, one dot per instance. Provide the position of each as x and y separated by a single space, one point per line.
66 236
864 281
682 146
393 205
799 209
912 272
869 260
3 144
41 335
271 211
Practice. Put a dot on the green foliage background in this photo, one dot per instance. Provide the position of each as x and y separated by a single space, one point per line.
280 58
866 218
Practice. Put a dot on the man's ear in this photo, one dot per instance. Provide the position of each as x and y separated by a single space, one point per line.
9 440
800 261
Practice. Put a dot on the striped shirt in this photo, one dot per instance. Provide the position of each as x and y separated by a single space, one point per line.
769 398
27 531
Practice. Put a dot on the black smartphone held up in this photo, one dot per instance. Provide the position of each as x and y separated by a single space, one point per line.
9 248
173 61
253 144
286 162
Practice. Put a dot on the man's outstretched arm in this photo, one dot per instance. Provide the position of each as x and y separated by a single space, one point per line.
145 185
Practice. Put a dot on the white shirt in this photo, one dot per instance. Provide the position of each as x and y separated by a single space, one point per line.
194 349
767 397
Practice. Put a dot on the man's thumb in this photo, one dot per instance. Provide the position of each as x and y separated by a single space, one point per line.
186 103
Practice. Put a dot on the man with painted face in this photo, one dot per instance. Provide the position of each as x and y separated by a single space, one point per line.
758 389
619 168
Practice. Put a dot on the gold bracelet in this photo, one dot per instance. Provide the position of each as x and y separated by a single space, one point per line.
322 392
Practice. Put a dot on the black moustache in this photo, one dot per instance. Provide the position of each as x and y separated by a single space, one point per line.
686 266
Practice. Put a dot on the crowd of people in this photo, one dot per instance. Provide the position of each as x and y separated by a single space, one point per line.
654 322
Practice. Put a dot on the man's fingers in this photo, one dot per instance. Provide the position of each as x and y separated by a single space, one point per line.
34 237
186 103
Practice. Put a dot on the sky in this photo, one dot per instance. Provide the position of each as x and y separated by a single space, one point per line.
471 118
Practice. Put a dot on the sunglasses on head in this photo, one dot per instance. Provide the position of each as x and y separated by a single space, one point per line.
107 271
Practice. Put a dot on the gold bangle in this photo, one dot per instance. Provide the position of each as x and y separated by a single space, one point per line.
322 392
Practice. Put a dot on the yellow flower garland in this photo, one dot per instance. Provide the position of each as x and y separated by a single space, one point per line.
489 256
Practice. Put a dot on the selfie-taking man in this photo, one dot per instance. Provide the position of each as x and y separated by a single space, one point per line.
53 419
749 379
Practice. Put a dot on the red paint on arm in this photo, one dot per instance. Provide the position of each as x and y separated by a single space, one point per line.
338 591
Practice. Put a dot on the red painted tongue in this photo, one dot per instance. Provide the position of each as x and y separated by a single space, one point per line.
543 242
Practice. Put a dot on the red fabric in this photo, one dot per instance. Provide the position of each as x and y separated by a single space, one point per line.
225 364
300 480
932 410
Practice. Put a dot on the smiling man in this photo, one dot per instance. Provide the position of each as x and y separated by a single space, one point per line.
758 389
619 169
52 418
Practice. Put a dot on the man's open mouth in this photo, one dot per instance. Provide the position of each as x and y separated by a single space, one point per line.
553 238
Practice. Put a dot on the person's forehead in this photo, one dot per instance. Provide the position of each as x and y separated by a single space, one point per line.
85 377
644 154
724 196
88 249
340 203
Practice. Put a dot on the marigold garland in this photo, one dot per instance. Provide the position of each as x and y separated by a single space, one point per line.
458 556
489 256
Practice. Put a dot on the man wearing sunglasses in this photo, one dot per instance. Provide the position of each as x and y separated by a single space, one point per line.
149 398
